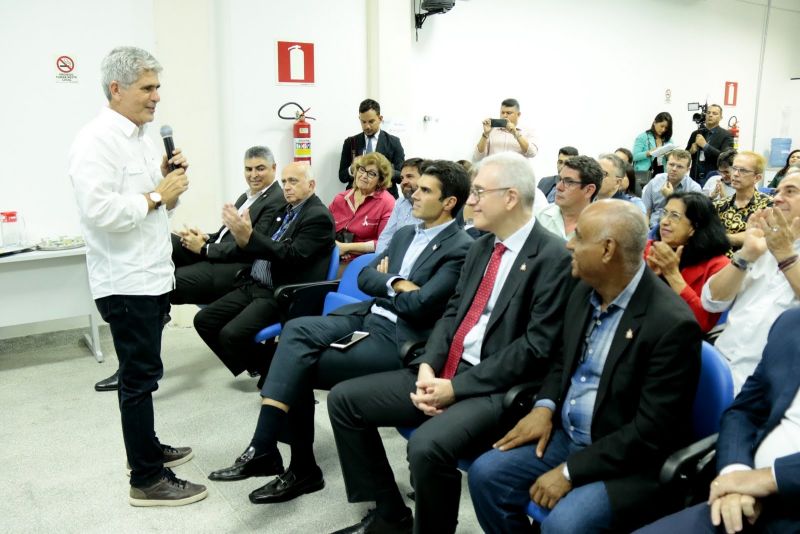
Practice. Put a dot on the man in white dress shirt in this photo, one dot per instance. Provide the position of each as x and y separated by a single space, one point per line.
124 192
761 282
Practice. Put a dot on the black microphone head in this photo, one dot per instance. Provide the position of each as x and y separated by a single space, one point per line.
166 131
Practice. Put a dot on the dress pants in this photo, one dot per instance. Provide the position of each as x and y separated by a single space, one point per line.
136 323
198 281
499 483
229 324
304 362
358 407
777 517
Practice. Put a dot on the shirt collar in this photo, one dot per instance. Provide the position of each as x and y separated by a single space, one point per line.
123 124
431 233
262 192
298 207
624 296
515 241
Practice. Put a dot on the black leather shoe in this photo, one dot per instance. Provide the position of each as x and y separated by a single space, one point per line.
374 524
109 384
249 465
288 486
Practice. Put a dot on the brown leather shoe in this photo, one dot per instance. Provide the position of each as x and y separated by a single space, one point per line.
169 490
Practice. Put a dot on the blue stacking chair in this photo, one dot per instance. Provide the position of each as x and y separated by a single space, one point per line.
308 296
713 396
274 330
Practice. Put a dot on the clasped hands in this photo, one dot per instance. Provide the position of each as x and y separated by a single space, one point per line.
433 395
734 497
192 239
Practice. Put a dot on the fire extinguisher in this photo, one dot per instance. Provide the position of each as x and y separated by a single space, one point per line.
301 132
733 127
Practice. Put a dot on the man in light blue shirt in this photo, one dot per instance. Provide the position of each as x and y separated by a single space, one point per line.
655 193
401 214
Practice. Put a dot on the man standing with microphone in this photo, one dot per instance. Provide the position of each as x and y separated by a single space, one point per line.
124 192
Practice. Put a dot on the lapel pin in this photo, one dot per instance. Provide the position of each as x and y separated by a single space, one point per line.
523 267
629 334
278 219
435 247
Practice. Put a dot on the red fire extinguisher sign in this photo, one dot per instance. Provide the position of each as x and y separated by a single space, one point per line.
295 62
731 93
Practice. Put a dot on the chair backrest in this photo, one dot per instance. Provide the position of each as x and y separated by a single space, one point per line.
348 291
349 283
333 268
714 392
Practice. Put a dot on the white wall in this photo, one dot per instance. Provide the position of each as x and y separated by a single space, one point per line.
594 74
40 116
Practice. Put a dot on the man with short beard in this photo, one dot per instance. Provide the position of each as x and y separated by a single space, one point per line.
401 214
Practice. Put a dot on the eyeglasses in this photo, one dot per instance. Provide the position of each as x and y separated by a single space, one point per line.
568 183
673 216
741 170
478 193
371 174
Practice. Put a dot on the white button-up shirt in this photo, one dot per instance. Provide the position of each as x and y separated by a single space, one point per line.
112 165
764 295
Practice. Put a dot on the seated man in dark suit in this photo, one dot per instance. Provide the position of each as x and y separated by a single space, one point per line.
295 248
758 449
547 185
499 329
615 404
410 283
206 264
372 139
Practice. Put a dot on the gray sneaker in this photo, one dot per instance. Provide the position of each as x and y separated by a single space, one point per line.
169 490
173 456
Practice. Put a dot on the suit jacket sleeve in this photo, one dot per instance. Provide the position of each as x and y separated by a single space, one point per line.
345 161
712 151
673 362
398 154
317 228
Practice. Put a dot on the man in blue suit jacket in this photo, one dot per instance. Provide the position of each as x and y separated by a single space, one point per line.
411 284
758 451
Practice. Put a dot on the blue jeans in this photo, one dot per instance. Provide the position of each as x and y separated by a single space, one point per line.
499 484
136 322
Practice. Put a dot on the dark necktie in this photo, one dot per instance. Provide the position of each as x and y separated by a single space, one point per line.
370 144
474 313
260 271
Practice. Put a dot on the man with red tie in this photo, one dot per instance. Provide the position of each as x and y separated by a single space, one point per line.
500 328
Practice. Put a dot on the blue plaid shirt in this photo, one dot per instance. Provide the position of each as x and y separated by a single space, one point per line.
578 407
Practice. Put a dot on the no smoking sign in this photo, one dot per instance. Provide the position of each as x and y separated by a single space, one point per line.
65 66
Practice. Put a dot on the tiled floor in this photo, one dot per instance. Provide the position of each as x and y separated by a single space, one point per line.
63 465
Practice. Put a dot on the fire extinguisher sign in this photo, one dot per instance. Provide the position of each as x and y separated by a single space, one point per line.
295 63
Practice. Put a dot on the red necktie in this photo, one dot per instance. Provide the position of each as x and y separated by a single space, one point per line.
474 312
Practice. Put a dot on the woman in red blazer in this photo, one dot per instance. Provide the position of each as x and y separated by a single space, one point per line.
692 248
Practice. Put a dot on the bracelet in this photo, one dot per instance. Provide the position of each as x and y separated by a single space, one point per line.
787 263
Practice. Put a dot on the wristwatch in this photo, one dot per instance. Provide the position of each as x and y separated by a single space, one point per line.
739 262
156 198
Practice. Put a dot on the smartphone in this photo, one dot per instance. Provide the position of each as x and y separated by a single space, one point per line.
498 123
349 340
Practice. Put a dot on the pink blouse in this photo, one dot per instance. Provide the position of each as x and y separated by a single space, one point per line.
367 222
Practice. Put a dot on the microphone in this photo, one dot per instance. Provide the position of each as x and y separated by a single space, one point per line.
169 146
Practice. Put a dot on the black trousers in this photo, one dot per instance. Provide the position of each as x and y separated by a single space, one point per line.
136 324
304 362
358 407
198 281
229 324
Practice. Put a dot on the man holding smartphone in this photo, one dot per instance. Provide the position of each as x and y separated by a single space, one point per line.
503 135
